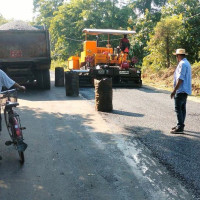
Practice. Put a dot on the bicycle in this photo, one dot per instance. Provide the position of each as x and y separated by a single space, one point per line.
12 120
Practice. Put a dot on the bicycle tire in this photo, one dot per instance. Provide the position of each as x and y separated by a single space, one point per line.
11 131
8 125
21 156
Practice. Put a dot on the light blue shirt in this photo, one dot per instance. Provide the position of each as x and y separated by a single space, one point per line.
183 71
5 80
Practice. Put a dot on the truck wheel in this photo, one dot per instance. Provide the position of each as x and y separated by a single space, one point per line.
40 80
46 79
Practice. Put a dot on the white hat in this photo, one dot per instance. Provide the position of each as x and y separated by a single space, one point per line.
180 51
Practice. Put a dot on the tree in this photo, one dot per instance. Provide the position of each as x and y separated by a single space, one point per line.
44 10
144 27
2 20
150 5
190 11
72 17
166 38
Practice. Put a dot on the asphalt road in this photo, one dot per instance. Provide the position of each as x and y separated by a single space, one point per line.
147 114
77 153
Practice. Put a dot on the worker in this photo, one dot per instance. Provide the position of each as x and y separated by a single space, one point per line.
124 44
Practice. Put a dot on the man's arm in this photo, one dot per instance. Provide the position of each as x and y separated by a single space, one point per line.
20 87
176 88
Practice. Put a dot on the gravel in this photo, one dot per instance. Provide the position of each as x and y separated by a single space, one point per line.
17 25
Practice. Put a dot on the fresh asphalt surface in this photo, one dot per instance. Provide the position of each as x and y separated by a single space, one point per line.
77 153
148 115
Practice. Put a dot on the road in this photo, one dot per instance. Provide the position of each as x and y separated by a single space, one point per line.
77 153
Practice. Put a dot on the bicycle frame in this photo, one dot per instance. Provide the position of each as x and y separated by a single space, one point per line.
13 124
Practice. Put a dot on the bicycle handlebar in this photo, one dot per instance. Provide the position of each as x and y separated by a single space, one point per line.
8 91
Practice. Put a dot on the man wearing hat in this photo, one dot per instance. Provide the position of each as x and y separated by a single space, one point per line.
182 88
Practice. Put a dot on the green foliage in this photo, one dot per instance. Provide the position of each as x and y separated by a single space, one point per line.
58 63
45 10
2 20
190 11
67 19
143 5
144 27
72 17
166 38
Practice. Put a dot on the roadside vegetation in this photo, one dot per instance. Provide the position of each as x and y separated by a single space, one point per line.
161 27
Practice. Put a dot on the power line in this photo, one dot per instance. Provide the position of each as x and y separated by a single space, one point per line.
83 40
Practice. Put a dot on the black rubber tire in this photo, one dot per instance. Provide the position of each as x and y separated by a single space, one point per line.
40 82
59 76
21 157
9 127
43 79
46 79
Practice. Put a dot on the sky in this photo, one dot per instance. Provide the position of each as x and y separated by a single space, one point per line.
17 9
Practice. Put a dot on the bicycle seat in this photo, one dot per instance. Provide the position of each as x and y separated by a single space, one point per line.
12 104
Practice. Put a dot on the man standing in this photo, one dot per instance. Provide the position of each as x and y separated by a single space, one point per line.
182 88
125 44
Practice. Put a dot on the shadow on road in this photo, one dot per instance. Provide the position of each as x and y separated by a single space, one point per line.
62 160
125 113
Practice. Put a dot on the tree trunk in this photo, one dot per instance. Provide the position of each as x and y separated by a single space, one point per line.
167 51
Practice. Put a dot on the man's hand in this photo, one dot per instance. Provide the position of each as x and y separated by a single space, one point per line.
176 88
173 94
22 88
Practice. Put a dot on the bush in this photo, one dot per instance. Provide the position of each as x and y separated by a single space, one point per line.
59 63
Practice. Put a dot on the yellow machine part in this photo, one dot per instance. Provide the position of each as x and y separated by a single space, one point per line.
73 62
90 46
101 58
101 55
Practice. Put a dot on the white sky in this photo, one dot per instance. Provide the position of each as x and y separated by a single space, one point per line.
17 9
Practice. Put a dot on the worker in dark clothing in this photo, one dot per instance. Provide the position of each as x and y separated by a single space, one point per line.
124 44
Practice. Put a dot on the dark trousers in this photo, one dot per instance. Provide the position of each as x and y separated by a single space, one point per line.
180 108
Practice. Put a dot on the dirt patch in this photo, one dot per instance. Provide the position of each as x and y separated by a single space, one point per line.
164 78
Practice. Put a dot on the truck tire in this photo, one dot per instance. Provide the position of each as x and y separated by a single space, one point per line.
46 79
59 76
43 79
39 80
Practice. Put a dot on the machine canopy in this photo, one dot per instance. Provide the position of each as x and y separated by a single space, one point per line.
107 31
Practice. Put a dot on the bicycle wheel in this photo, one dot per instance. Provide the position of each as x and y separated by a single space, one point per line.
21 156
8 124
13 124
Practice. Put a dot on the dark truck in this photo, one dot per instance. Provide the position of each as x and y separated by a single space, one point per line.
25 56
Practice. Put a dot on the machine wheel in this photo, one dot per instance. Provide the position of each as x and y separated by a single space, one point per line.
140 83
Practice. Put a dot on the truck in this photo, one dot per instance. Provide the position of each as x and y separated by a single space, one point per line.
25 54
97 62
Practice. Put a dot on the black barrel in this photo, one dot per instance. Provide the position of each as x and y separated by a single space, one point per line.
72 83
59 76
103 94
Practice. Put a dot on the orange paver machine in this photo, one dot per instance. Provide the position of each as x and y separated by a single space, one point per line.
99 62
